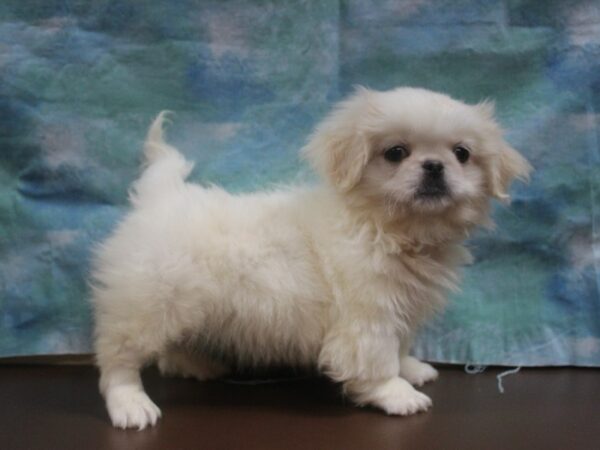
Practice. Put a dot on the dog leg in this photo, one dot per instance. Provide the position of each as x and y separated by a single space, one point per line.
127 403
416 372
412 370
120 382
365 358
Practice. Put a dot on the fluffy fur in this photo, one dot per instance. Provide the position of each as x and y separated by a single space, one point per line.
337 276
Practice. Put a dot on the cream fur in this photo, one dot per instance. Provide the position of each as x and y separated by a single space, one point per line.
337 276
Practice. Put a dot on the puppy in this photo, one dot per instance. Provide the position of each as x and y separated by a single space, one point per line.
336 277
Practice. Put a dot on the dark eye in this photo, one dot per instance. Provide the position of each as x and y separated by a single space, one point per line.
396 154
462 154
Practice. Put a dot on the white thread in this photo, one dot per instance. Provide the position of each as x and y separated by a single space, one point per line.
503 374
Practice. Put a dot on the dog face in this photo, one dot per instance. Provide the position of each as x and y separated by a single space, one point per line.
415 151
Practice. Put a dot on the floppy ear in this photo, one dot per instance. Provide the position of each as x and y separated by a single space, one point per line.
338 149
507 165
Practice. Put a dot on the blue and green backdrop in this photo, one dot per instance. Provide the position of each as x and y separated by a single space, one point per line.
81 80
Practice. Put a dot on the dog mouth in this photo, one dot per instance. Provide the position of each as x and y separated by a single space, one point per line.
436 189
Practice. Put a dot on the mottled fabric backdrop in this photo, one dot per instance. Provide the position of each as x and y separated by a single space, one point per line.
81 80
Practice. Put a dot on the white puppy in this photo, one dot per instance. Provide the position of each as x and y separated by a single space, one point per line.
337 277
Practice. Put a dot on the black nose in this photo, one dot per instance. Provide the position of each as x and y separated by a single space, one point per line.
433 167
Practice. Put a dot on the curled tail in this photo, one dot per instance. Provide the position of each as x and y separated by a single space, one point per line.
165 169
155 147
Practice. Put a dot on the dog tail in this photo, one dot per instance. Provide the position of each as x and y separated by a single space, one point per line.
155 147
165 168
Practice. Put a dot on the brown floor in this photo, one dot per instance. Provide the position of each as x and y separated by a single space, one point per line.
48 407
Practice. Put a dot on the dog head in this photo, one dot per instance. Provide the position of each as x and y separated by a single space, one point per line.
416 152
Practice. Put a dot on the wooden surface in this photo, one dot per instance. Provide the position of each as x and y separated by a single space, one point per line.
53 407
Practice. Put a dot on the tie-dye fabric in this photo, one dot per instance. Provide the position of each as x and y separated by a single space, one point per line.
80 82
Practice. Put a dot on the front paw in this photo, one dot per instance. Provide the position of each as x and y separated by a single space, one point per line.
129 407
416 372
397 397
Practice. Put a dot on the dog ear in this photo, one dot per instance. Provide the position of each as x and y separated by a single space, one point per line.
487 109
338 149
507 165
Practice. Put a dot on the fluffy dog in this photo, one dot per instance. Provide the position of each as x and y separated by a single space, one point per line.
337 276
